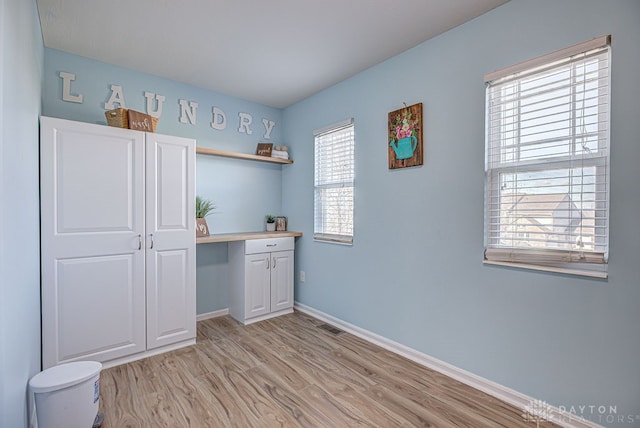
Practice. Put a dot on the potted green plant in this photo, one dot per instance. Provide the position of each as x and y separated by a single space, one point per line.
204 207
271 222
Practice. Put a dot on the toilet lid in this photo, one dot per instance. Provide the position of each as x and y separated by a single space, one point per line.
64 375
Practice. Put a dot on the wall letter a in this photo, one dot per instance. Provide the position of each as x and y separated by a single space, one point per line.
117 97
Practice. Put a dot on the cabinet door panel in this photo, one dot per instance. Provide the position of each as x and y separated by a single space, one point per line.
170 240
281 280
98 316
92 228
170 185
170 318
98 205
258 279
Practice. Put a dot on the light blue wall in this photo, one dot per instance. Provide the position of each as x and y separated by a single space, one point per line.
415 272
244 191
21 64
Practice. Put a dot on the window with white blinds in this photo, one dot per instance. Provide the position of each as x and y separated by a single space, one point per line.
333 185
547 162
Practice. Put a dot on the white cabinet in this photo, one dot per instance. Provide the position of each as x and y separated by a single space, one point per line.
261 278
170 226
118 242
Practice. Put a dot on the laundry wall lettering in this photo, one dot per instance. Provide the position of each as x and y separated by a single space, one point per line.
154 103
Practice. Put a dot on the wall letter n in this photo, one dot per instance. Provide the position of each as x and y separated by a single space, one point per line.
188 111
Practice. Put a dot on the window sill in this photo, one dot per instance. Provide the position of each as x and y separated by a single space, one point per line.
333 239
567 271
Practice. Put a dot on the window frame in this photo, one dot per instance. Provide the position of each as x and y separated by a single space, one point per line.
579 262
322 231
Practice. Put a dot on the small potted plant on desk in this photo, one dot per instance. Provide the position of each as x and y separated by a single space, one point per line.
204 207
271 223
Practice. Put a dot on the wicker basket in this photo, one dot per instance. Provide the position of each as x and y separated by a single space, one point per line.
117 117
142 122
154 123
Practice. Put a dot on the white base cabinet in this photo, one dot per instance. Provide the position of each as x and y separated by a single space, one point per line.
261 278
118 242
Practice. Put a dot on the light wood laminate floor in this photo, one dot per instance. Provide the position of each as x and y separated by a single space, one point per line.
290 372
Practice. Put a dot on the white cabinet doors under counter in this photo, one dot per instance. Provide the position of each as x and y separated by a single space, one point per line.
261 278
118 241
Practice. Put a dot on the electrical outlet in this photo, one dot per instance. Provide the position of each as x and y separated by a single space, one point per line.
301 276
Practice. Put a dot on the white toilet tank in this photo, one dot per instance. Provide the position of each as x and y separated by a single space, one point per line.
67 395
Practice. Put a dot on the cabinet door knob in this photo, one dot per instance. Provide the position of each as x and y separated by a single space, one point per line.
274 263
151 235
267 262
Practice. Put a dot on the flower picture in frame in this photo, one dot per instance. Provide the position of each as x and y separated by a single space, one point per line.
404 143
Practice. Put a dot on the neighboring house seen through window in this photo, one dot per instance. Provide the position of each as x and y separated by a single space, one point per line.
334 171
547 162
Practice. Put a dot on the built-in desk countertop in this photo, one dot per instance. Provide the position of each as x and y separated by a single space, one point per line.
244 236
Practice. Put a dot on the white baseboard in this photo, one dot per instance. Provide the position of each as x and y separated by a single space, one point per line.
147 354
527 404
214 314
267 316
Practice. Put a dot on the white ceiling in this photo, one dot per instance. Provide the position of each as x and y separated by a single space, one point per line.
274 52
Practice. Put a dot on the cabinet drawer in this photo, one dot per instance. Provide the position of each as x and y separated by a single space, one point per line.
268 245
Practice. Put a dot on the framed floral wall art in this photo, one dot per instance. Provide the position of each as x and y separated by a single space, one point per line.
405 137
